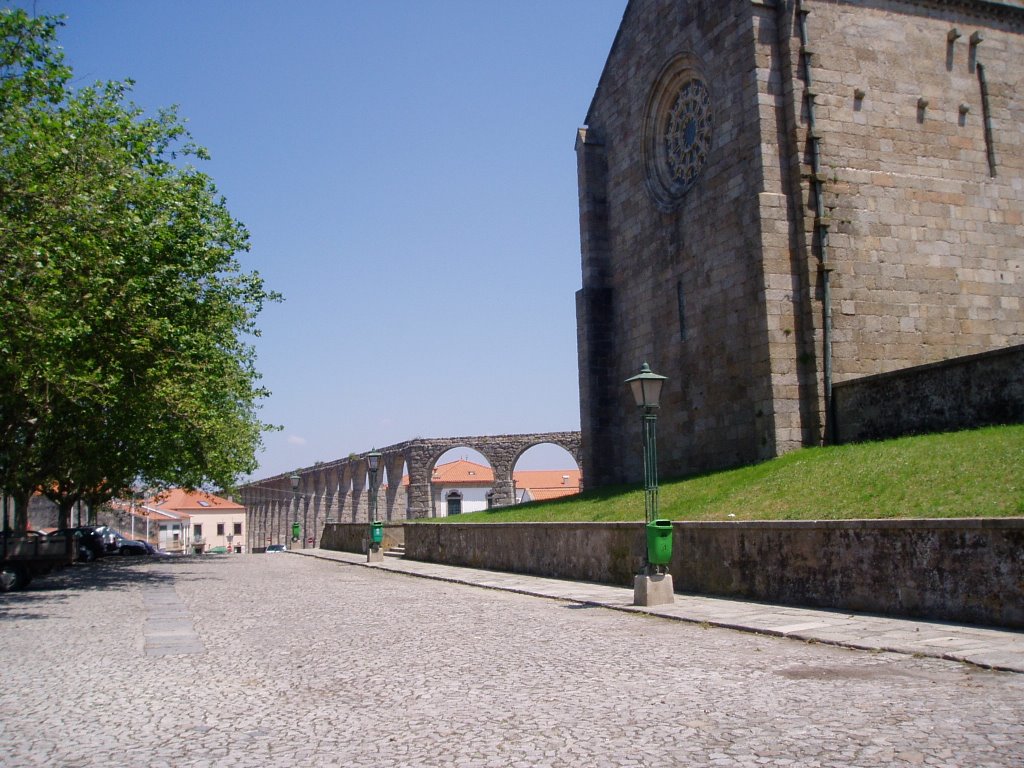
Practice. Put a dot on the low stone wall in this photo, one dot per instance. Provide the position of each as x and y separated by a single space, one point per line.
605 552
956 570
965 392
355 537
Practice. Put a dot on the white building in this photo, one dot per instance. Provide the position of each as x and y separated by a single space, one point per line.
189 519
463 486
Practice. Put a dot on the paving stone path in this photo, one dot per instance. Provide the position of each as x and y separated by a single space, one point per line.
294 661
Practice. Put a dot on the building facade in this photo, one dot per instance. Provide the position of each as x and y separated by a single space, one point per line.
776 196
198 521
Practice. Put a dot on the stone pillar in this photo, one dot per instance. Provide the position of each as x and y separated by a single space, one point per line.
330 497
304 511
504 492
345 502
395 464
360 512
256 517
284 511
420 465
272 517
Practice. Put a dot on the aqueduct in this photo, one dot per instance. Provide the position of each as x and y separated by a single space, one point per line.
337 490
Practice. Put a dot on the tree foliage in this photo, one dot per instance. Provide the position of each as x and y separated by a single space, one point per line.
124 311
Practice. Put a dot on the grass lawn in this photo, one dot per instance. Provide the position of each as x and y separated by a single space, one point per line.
975 473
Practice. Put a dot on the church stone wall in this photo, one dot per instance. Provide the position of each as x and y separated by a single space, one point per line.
682 288
922 119
920 136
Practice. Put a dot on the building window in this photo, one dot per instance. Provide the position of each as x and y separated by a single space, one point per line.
454 499
238 529
220 529
678 128
197 531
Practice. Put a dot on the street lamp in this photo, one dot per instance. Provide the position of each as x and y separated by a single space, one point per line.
646 388
295 480
373 554
373 463
654 585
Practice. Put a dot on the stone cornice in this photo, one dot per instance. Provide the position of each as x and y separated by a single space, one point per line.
988 9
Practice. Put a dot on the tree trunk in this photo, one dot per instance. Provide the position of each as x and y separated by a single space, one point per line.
64 507
22 498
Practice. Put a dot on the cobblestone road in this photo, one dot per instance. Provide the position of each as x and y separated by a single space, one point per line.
287 661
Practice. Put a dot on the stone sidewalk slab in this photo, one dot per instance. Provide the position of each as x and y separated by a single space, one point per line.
990 648
168 629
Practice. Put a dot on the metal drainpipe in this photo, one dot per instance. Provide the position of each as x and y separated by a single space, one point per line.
821 221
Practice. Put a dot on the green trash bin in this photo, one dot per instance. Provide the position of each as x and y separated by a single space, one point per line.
659 542
377 532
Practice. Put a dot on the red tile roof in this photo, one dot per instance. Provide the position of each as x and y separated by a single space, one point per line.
462 472
547 494
541 483
547 483
190 502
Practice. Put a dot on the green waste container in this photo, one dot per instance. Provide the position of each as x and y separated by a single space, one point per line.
377 532
659 542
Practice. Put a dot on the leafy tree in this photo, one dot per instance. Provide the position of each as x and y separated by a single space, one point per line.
125 312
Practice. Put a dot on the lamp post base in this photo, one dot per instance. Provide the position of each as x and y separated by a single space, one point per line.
375 554
652 589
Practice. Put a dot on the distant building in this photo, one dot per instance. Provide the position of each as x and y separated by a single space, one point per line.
189 519
464 486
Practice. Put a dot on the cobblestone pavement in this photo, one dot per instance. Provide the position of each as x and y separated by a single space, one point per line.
988 647
257 660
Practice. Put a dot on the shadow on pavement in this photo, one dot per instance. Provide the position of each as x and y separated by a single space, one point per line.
113 572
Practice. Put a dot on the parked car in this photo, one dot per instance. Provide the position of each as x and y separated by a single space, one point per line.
150 549
221 550
111 539
130 547
91 542
275 548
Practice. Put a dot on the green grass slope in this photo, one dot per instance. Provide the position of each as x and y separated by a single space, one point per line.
975 473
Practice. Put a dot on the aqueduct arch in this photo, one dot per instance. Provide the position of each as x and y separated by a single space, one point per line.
336 490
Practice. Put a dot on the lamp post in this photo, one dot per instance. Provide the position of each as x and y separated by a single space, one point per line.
295 480
373 554
654 585
646 388
373 464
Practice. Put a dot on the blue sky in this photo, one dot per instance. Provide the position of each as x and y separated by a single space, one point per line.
407 173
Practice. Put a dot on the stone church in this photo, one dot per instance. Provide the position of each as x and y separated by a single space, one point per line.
779 196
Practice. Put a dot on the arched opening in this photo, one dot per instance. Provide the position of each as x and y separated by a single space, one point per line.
461 474
544 472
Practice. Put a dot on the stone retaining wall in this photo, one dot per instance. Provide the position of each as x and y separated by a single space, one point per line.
355 537
956 570
972 391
